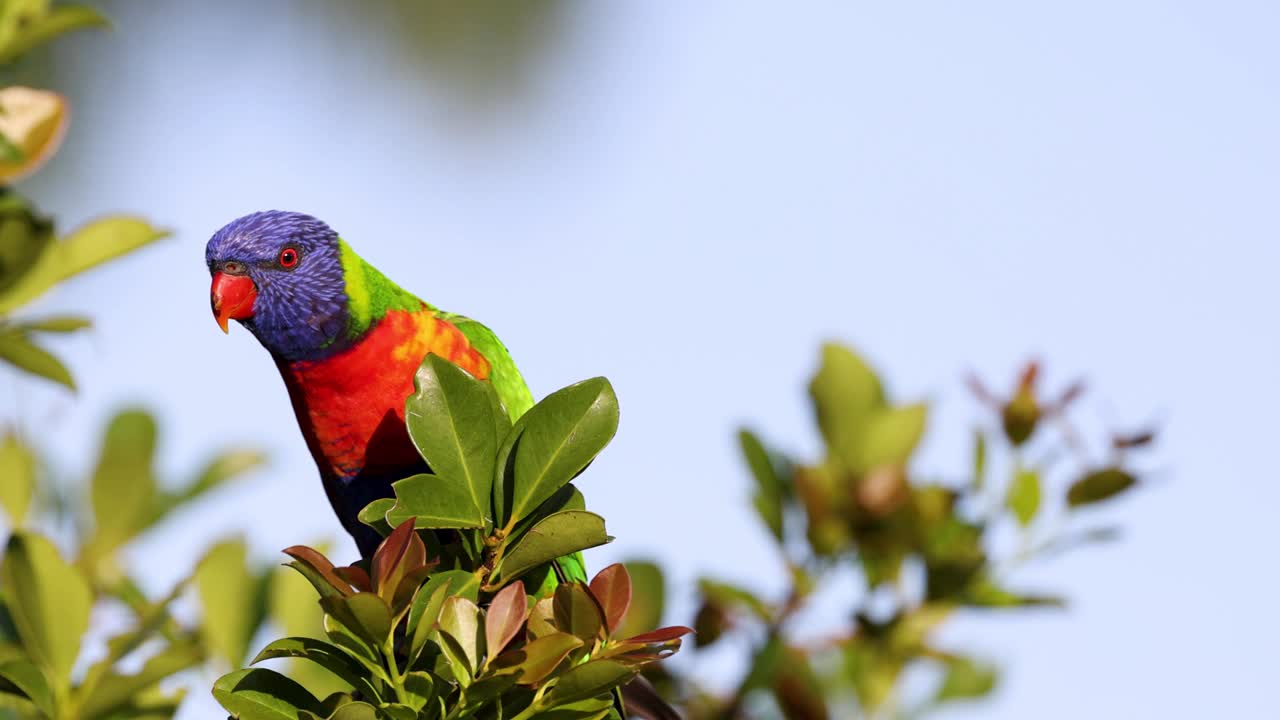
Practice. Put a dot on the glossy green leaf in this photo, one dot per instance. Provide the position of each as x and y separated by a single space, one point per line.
577 613
323 654
561 435
504 617
1023 499
560 534
450 419
460 620
49 601
258 694
420 688
1098 486
589 680
124 483
18 350
23 678
890 437
375 515
355 711
115 691
845 393
365 614
18 466
965 679
83 249
648 599
425 609
436 502
769 487
232 598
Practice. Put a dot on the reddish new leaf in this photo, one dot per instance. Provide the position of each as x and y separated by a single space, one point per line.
356 577
320 566
661 635
400 553
504 617
612 590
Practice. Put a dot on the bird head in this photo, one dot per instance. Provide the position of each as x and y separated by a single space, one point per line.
280 274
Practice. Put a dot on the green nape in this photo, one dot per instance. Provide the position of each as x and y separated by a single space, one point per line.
370 295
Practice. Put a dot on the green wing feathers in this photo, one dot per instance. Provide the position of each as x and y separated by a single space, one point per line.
503 373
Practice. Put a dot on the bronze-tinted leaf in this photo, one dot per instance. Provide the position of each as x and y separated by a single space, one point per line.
612 590
316 568
505 617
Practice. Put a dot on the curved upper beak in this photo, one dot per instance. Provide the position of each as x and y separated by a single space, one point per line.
232 297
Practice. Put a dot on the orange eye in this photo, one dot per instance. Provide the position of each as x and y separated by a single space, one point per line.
288 258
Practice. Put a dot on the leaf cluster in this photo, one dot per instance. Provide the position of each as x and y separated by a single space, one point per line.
474 604
46 598
923 549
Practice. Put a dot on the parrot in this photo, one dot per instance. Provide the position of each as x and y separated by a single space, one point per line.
347 342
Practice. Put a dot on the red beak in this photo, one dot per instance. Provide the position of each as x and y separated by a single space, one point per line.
233 297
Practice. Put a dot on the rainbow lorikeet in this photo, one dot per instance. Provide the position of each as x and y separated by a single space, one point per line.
348 341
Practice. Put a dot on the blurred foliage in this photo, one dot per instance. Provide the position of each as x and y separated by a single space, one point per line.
439 623
924 550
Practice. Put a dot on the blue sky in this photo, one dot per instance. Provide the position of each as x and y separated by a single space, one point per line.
688 198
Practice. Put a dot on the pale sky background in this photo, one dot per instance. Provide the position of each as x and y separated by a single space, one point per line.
687 198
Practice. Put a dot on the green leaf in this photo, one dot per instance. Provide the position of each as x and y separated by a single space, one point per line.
648 599
769 487
294 608
91 245
890 437
24 236
979 459
22 678
40 28
18 468
124 483
365 614
1024 495
258 694
985 593
560 436
221 469
420 687
577 613
435 502
115 691
355 711
1098 486
326 655
539 658
460 621
425 609
375 515
18 350
729 596
233 600
58 324
49 601
560 534
965 680
845 393
589 680
450 419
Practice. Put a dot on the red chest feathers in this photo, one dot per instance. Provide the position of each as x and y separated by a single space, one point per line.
350 407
